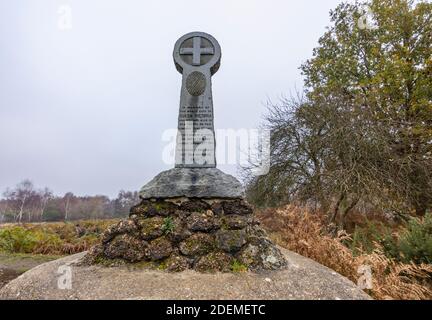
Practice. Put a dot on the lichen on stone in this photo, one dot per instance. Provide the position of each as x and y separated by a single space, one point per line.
151 228
197 244
214 261
230 240
206 235
159 249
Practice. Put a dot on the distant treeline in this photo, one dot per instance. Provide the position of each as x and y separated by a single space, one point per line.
25 203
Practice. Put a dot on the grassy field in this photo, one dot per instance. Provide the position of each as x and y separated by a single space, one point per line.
297 229
25 246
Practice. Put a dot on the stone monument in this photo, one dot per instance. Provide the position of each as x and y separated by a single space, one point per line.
193 216
197 57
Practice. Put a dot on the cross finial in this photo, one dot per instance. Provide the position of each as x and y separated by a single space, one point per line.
196 51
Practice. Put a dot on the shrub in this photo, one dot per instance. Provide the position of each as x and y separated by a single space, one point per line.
304 232
364 239
415 243
57 238
20 240
16 240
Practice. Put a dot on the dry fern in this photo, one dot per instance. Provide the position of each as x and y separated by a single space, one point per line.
302 231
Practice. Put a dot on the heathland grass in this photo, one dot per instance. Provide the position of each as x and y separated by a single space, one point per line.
57 238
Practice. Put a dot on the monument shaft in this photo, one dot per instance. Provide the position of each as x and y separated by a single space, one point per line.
197 58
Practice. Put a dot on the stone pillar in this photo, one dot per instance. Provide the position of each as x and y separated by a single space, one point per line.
197 57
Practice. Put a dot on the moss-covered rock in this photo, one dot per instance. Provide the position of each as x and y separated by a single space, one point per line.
141 209
126 247
197 245
213 262
124 226
177 263
201 221
151 228
239 207
149 208
235 222
262 255
159 249
179 230
195 205
230 240
175 235
217 208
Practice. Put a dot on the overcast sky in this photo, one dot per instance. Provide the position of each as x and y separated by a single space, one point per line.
84 109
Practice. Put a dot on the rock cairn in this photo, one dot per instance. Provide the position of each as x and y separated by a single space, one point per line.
179 234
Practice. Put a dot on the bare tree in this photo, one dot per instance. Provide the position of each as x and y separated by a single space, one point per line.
67 199
45 196
19 197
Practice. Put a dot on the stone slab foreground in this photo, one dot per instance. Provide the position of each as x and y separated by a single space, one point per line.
303 279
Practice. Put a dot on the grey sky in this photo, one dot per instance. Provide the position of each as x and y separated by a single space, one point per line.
83 110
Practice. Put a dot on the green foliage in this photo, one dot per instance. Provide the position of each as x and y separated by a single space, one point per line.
415 243
361 131
20 240
168 225
410 244
15 239
364 239
238 267
52 238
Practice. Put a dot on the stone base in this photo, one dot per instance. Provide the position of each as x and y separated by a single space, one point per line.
204 183
302 279
183 233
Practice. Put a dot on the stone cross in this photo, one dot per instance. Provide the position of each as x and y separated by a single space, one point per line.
197 57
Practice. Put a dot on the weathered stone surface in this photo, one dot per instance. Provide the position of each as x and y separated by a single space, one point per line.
159 249
303 279
262 256
177 263
230 240
126 247
190 230
237 207
197 245
235 221
124 226
255 233
179 231
95 253
217 208
201 221
195 205
215 261
151 228
153 208
204 183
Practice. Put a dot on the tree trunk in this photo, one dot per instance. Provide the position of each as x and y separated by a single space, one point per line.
342 222
20 214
